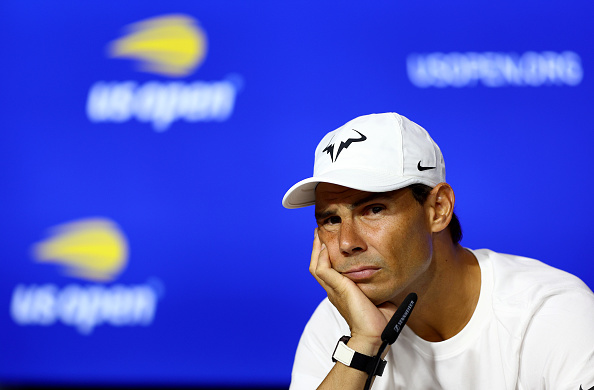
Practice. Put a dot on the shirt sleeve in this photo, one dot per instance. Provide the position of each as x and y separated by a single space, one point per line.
313 359
558 346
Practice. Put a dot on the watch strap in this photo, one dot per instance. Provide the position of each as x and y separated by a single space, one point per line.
351 358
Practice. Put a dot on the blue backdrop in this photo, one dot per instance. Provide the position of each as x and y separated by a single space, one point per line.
145 147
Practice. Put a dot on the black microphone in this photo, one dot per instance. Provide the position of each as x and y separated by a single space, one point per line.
392 331
394 327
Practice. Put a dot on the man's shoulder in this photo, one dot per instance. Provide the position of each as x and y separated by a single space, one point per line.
525 279
319 338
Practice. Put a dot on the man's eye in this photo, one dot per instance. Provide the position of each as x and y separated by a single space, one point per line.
333 220
376 209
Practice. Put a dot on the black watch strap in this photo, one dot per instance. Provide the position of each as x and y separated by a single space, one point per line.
351 358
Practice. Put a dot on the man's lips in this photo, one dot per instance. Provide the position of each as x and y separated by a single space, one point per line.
360 273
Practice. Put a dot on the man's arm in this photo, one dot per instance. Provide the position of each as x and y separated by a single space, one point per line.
343 377
365 320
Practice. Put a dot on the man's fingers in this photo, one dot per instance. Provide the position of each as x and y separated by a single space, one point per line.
328 275
321 268
315 256
315 253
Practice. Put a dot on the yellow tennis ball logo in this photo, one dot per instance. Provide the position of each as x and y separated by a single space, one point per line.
93 249
170 45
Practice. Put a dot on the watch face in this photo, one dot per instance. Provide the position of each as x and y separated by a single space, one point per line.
345 340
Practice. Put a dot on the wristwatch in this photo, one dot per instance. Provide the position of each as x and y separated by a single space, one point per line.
351 358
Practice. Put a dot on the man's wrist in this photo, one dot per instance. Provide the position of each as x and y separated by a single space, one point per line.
365 345
351 358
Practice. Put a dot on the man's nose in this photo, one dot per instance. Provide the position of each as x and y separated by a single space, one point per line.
350 240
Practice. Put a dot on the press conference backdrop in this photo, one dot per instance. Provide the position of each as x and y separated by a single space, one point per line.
145 147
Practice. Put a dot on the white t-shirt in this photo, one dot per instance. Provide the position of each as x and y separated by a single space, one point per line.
533 328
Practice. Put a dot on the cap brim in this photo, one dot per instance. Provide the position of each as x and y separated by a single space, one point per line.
303 193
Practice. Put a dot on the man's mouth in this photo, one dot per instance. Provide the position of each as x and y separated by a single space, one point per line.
362 273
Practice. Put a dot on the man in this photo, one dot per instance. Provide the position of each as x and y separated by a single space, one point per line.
386 228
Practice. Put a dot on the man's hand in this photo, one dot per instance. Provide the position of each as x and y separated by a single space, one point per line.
365 320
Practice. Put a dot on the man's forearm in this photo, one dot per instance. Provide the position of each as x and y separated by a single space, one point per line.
342 377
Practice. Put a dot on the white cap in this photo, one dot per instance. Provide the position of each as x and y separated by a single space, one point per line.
372 153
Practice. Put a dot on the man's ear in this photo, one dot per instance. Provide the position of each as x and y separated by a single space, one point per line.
441 206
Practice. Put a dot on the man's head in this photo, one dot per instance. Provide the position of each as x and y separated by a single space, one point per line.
381 202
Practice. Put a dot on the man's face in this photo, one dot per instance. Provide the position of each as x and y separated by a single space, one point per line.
381 241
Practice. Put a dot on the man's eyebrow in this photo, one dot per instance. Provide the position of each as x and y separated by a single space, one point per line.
369 198
374 196
324 214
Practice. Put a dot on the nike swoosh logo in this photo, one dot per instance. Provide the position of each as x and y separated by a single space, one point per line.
591 388
420 168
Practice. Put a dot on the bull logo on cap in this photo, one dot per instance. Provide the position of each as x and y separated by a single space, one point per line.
343 145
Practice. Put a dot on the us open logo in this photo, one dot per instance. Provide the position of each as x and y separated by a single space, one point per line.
495 69
172 47
94 250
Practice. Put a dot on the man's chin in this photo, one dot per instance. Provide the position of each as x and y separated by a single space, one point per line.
374 294
378 295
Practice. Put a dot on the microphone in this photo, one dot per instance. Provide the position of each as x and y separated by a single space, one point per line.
392 331
398 320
